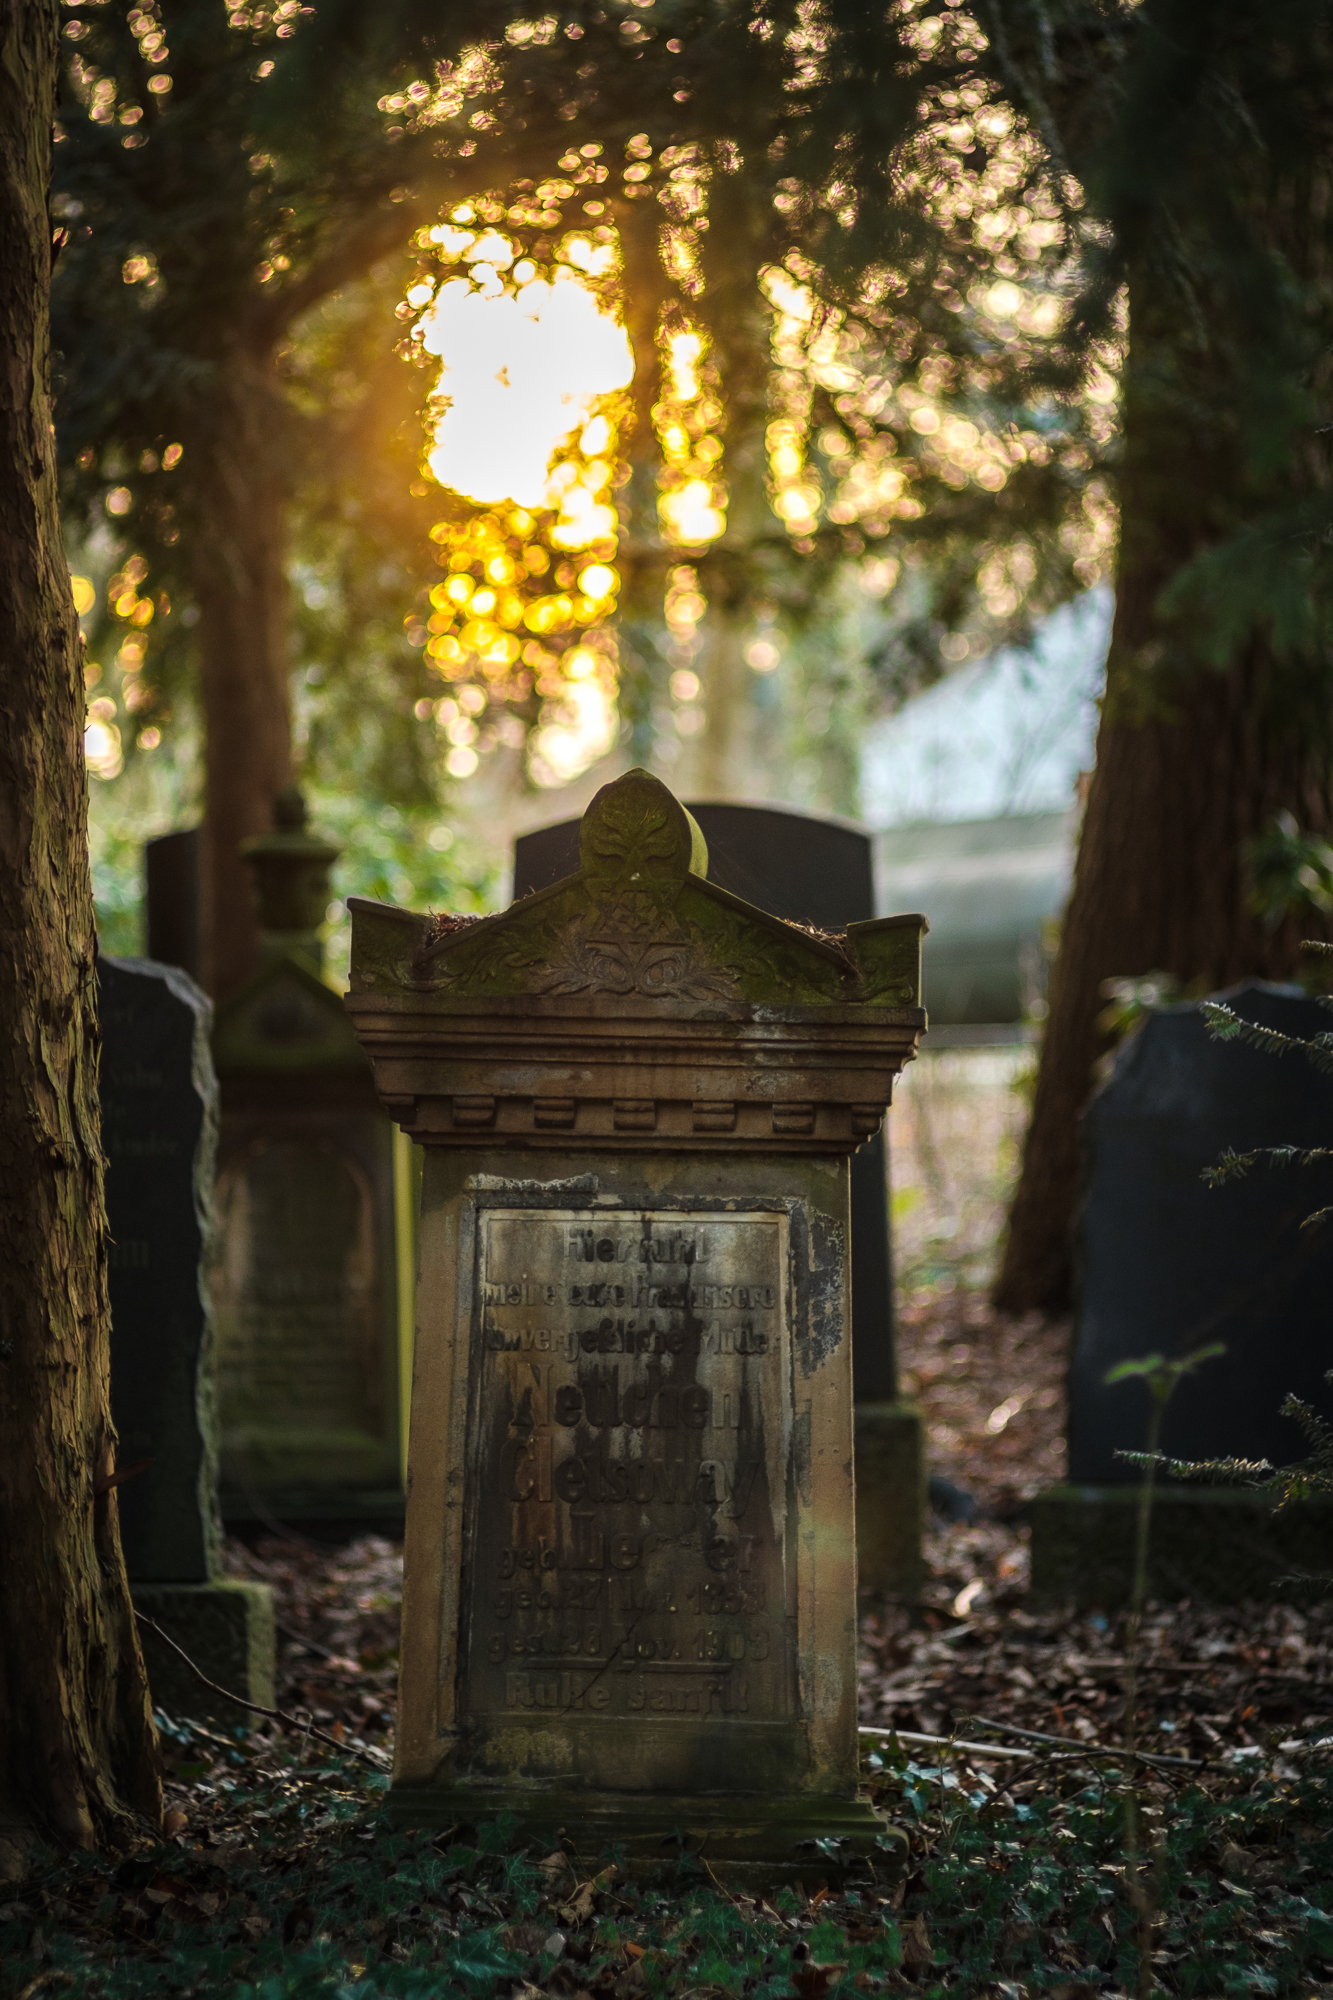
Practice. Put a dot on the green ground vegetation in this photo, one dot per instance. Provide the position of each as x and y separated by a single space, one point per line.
287 1883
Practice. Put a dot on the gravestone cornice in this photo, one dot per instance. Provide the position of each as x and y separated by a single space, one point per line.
635 1006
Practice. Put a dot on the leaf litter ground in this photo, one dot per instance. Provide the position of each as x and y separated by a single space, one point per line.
279 1878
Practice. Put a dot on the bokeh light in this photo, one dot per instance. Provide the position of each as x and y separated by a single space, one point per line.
521 371
532 361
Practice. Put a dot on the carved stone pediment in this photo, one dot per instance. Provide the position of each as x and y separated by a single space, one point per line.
636 982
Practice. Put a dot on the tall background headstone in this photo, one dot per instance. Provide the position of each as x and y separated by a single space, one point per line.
1168 1265
306 1277
159 1105
818 871
171 898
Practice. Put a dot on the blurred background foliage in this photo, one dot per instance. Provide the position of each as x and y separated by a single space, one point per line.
877 305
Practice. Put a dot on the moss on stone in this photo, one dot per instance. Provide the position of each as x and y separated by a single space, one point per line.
637 921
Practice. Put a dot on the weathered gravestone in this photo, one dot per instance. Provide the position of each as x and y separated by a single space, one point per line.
159 1129
305 1278
629 1593
817 871
1169 1265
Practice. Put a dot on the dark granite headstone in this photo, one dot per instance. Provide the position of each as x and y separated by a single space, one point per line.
810 870
171 899
159 1103
1169 1264
159 1125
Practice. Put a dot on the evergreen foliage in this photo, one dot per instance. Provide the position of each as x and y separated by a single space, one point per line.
205 219
1195 132
1170 147
217 177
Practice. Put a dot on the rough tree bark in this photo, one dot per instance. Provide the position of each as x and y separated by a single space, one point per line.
1159 886
1192 763
240 580
78 1754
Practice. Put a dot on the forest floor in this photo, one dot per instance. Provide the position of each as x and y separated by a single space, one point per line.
280 1880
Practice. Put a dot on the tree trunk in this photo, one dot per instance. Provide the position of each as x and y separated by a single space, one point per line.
1192 763
642 557
240 580
732 573
78 1754
726 761
1159 886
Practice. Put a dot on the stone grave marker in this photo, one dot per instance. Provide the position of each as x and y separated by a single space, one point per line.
306 1272
1168 1265
812 869
629 1592
159 1130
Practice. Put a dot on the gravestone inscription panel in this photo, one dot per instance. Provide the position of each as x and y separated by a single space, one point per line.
301 1371
632 1414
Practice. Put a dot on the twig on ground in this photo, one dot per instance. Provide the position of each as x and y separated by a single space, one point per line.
1001 1752
256 1707
1102 1749
299 1638
1075 1749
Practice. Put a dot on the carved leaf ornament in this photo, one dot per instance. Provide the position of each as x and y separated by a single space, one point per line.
621 936
657 968
637 845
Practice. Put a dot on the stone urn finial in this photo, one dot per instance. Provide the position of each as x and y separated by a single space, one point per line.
291 869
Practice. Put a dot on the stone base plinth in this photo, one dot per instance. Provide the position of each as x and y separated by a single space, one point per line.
751 1844
1214 1546
228 1631
890 1498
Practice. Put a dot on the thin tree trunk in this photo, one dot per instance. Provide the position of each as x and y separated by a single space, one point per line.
726 760
731 573
78 1754
240 580
642 557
